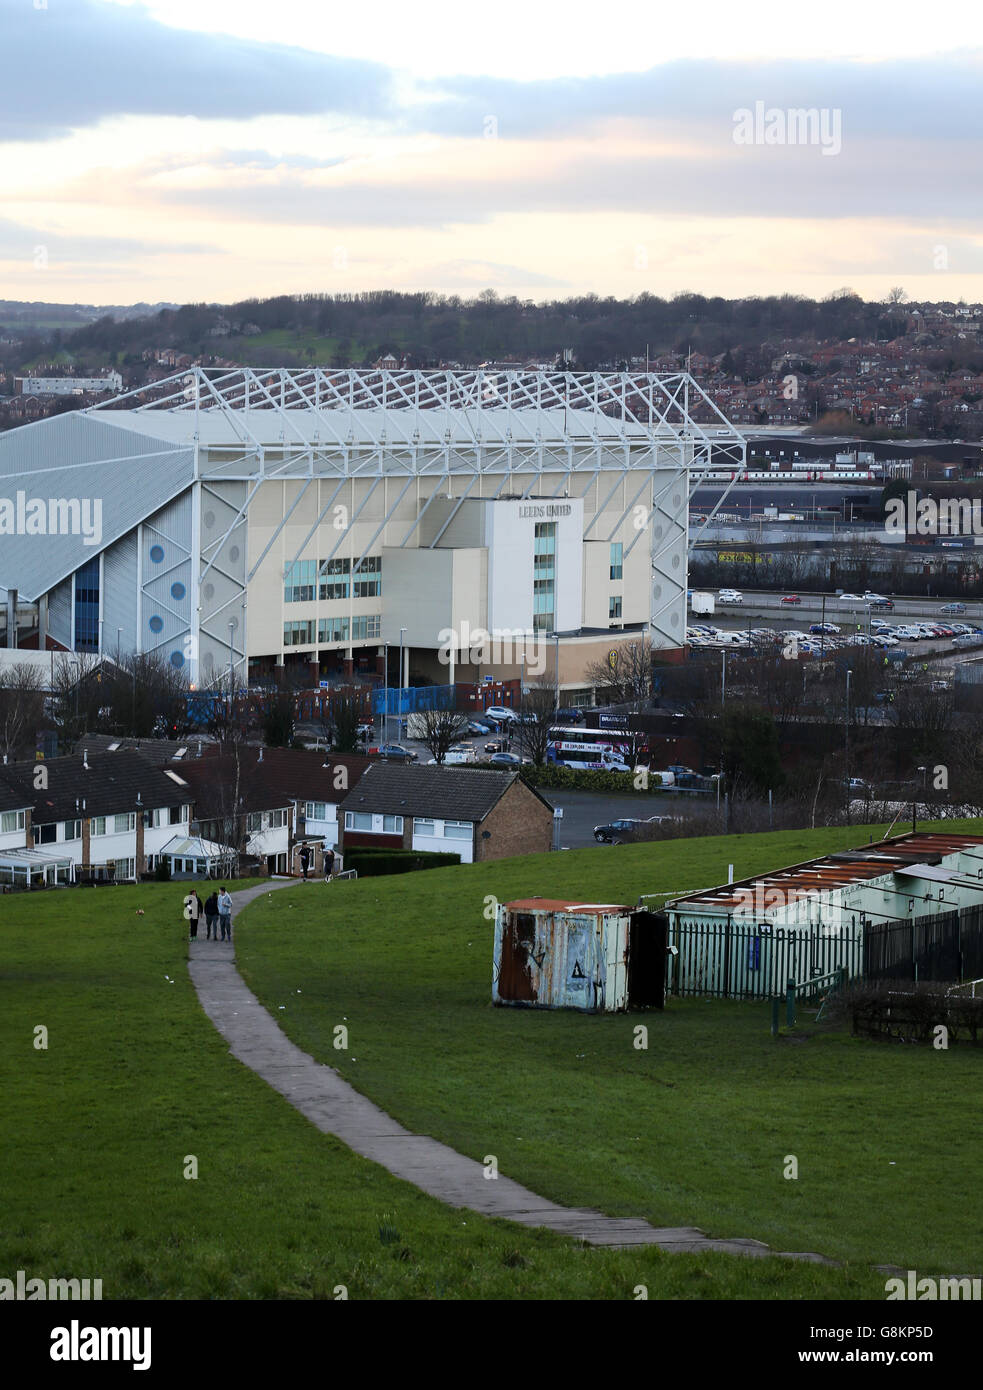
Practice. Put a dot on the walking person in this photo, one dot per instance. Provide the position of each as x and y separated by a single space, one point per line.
305 860
328 864
193 909
225 913
211 916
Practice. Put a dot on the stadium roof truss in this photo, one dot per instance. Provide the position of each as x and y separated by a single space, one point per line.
256 425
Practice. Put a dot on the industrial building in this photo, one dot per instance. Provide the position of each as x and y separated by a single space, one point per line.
244 523
863 910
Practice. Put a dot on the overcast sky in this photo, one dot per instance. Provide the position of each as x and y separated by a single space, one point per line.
214 149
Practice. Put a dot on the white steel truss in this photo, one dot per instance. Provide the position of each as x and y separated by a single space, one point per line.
639 429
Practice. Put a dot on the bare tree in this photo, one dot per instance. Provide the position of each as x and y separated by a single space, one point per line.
537 715
21 708
625 678
442 728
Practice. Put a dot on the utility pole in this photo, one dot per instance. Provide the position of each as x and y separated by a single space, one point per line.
848 675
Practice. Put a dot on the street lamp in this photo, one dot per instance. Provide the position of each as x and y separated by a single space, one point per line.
848 675
556 702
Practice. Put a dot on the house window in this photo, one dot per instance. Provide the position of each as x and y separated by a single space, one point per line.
254 822
298 633
358 820
71 830
11 821
97 825
316 810
457 829
617 560
424 824
176 815
123 823
614 606
125 868
392 825
46 834
278 820
298 584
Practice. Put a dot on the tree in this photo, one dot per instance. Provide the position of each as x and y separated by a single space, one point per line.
442 728
21 708
340 722
537 713
625 678
278 721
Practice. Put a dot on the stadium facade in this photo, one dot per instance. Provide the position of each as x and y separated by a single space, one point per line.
240 520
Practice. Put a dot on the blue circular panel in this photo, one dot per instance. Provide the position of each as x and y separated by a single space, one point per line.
156 553
177 659
177 590
156 623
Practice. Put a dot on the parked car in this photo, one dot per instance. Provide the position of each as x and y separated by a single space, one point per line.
830 629
791 598
953 608
608 834
500 714
396 752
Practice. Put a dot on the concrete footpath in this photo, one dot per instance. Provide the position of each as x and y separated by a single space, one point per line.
328 1101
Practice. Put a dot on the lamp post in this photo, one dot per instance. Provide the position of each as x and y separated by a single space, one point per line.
848 675
231 666
402 681
556 702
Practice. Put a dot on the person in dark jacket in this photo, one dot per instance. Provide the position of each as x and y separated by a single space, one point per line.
328 864
211 916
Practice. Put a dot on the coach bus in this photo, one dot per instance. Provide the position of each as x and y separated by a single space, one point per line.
612 749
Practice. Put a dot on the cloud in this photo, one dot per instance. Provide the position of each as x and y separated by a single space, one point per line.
19 241
78 62
869 179
931 98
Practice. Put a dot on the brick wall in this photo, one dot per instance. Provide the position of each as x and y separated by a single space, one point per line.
519 824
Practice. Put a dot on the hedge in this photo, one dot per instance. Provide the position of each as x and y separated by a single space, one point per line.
370 863
570 778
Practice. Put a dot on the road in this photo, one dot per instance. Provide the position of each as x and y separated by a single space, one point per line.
583 810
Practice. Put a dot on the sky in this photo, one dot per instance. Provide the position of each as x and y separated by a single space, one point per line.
189 150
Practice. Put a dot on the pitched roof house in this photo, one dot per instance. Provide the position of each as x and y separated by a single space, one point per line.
475 813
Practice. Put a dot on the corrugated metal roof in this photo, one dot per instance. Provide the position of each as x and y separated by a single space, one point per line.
87 458
833 871
564 905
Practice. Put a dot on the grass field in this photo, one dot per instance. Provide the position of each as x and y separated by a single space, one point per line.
98 1128
695 1129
